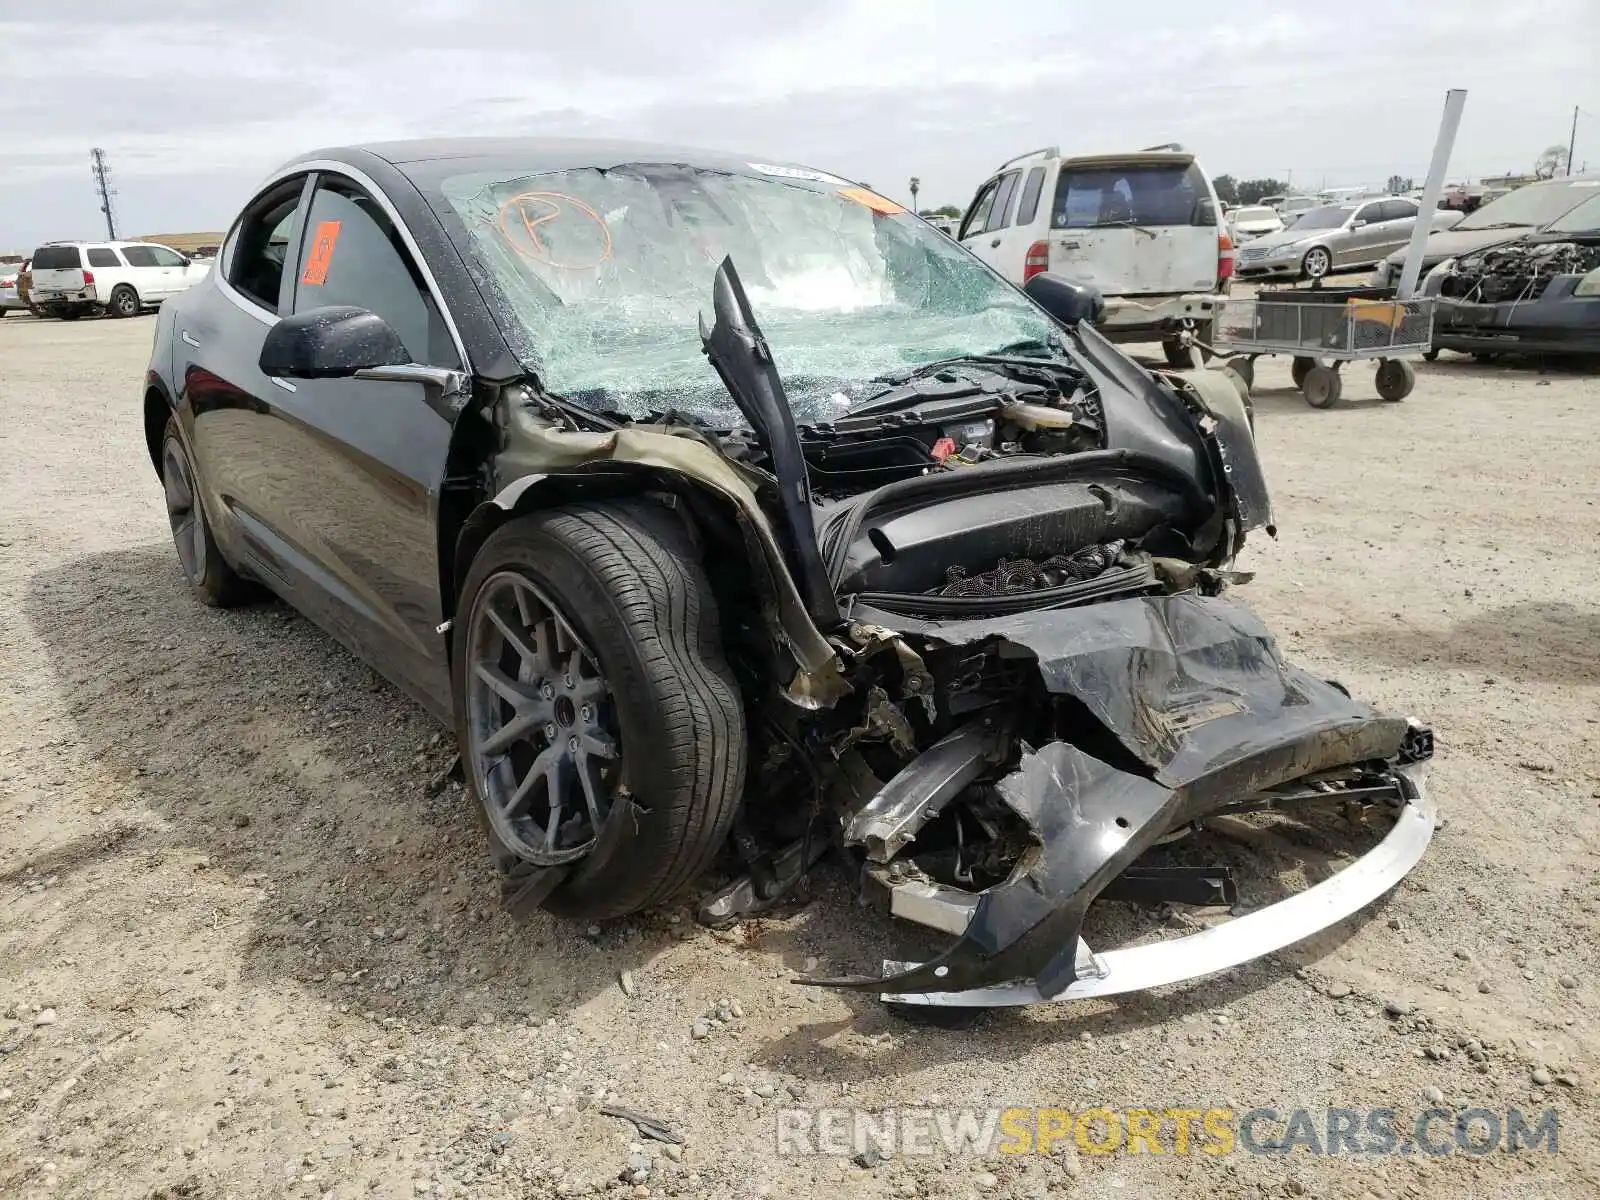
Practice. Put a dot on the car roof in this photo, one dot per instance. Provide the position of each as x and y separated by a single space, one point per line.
531 155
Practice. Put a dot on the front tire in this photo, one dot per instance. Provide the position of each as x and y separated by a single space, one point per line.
124 302
1317 263
589 673
214 582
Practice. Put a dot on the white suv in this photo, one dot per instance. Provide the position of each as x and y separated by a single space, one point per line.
1142 228
118 278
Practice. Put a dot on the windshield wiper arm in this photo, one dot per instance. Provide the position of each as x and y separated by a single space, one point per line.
1150 233
1011 354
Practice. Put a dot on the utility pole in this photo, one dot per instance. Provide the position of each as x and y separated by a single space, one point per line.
1572 142
101 170
915 185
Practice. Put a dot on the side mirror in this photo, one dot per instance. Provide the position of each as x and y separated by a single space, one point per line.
1064 300
330 343
1357 224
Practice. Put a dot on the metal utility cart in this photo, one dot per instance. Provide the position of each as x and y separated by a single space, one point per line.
1324 328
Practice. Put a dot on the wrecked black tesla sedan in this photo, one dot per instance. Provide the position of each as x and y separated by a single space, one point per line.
725 507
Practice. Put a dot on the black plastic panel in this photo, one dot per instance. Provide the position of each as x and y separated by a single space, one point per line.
910 551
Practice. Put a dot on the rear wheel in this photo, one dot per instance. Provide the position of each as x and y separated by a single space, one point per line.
589 673
124 302
1322 387
1299 368
213 580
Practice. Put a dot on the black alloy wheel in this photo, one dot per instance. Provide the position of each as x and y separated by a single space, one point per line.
183 511
541 724
211 576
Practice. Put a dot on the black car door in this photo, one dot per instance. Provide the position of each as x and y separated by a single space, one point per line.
216 334
355 466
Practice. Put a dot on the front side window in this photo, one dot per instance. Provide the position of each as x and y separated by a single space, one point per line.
103 256
165 257
606 273
352 254
1089 196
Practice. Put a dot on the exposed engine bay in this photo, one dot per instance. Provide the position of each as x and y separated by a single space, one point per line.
1518 272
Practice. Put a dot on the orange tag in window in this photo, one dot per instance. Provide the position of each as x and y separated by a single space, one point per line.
321 253
877 203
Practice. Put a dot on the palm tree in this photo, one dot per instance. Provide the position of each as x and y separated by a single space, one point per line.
915 184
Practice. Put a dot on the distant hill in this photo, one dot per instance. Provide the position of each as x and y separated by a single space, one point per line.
187 243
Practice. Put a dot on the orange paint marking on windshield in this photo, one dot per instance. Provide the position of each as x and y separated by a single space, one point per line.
877 203
321 257
522 216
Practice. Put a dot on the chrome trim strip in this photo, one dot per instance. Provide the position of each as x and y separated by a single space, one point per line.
1157 964
355 175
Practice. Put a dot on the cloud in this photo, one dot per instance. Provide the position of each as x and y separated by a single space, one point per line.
195 99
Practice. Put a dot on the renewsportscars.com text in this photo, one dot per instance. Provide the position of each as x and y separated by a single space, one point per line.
985 1132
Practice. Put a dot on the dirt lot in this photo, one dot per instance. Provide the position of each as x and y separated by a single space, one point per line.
248 951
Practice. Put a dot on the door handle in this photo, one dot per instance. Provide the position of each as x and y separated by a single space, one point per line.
189 339
994 243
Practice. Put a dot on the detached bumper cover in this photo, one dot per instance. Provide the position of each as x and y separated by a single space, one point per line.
1187 708
1240 940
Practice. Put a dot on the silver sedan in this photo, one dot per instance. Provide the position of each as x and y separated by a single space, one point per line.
1335 237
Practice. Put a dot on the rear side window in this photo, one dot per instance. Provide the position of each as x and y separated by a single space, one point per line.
261 244
978 215
1398 210
103 256
1028 206
1000 215
137 256
1141 194
354 255
56 258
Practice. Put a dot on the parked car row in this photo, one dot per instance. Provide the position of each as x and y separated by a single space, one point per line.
1337 237
68 280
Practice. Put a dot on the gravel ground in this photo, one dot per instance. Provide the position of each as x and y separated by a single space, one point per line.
251 950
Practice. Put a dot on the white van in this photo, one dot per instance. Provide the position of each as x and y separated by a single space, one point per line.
1143 228
71 279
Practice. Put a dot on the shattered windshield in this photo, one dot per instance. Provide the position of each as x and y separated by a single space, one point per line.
607 272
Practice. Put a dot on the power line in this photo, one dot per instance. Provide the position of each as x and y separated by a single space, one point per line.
101 170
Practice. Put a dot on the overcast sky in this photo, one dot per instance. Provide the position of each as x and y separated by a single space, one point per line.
195 100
